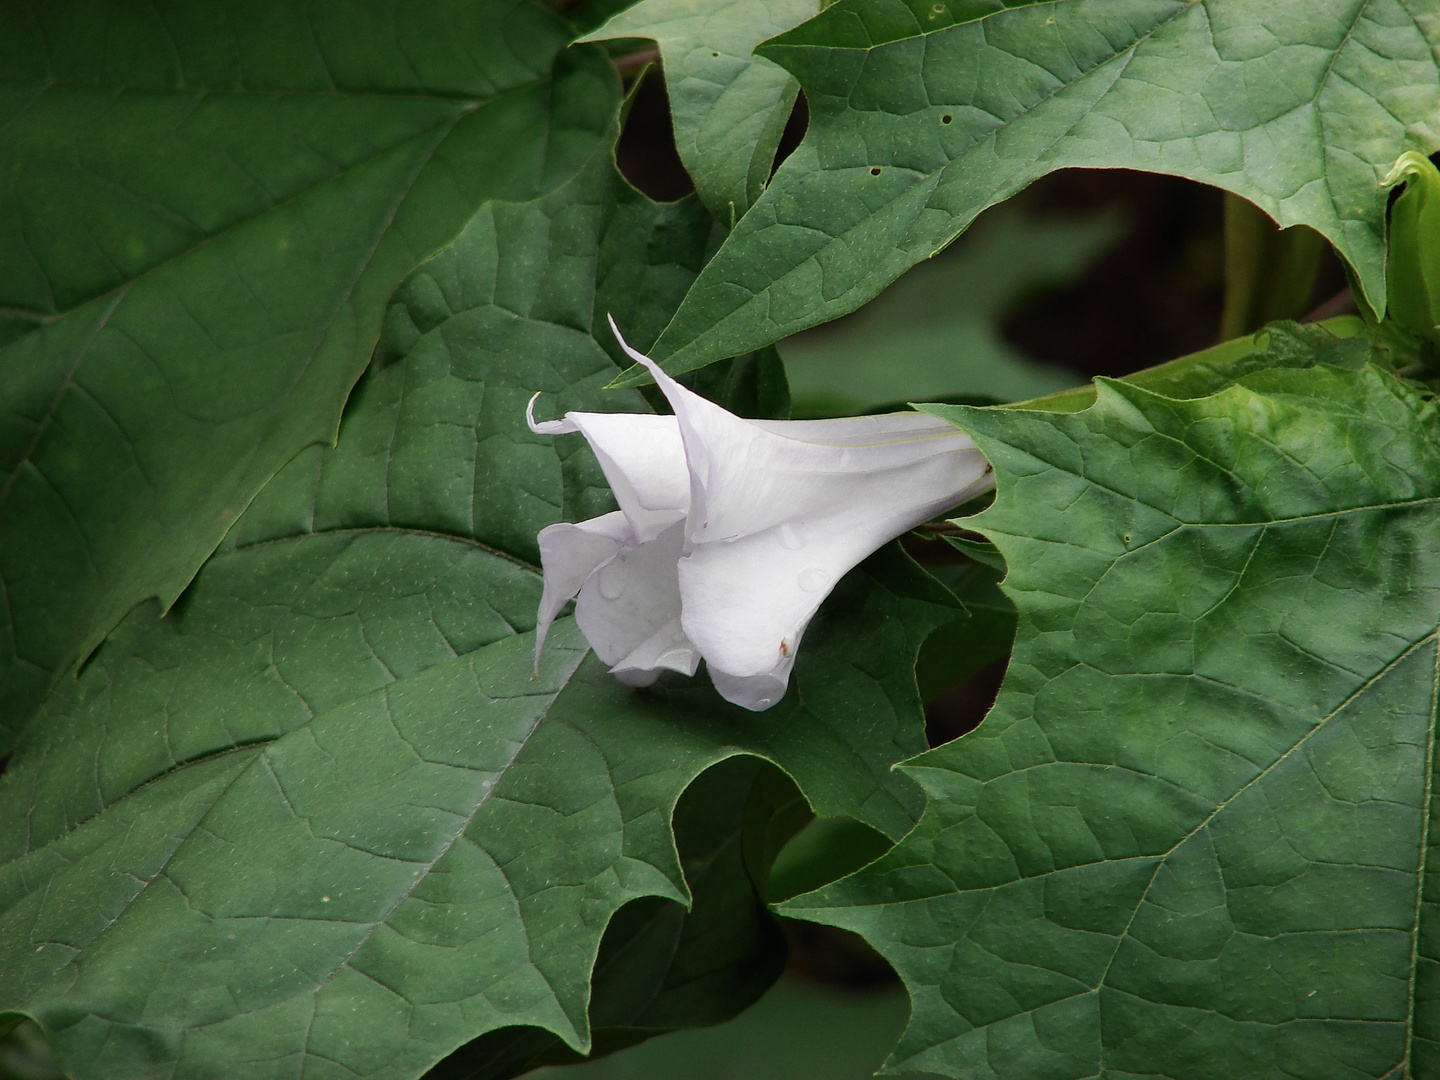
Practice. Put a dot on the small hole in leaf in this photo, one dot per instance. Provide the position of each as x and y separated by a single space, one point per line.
1126 538
938 8
946 118
875 171
714 54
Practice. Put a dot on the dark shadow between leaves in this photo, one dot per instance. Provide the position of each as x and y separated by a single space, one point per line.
645 153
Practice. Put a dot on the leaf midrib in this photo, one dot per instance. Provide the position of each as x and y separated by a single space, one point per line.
211 755
1160 857
426 868
1318 726
361 529
381 95
471 105
980 18
118 293
1421 869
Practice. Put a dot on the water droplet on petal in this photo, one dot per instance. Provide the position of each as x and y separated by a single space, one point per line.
790 537
612 581
813 580
764 702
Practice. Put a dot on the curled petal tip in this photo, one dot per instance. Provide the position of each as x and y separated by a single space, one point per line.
546 427
635 354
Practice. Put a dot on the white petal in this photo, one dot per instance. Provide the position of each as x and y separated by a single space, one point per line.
756 692
748 600
667 648
781 510
692 409
757 480
569 555
629 611
643 457
858 430
747 476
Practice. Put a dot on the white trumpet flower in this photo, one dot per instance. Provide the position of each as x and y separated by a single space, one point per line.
731 532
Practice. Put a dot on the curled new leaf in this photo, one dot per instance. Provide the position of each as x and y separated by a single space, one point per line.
1413 261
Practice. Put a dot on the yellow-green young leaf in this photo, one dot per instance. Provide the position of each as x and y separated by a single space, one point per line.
205 212
1414 256
1193 837
924 113
323 819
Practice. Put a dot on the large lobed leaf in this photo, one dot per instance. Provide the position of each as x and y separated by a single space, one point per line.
1192 839
322 818
206 209
923 114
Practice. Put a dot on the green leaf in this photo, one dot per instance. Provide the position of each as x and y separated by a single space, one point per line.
961 649
207 213
1344 341
728 106
323 817
1192 837
922 115
935 333
661 968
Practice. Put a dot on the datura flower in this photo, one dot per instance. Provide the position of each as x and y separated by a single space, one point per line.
731 532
